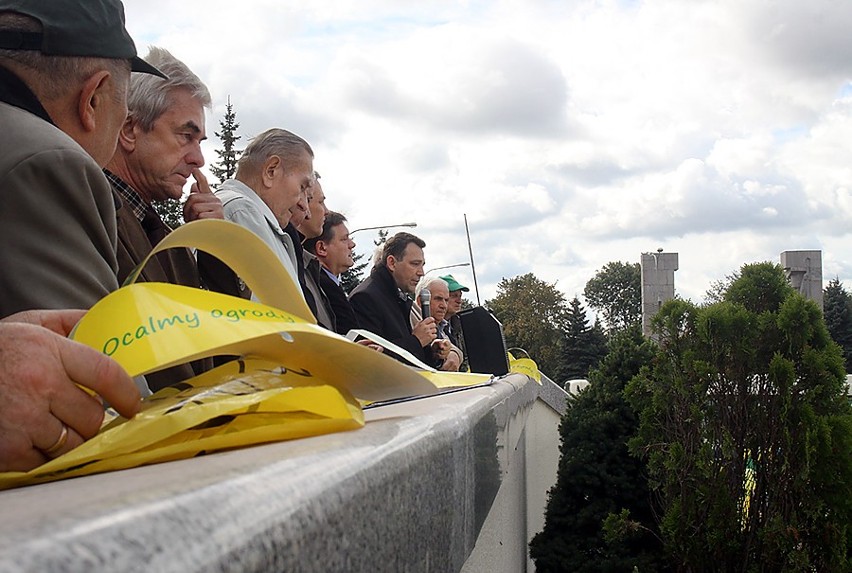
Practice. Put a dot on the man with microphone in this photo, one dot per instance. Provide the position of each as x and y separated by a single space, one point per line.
382 302
159 148
432 298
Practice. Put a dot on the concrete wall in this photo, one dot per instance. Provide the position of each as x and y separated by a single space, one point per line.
658 285
446 483
804 271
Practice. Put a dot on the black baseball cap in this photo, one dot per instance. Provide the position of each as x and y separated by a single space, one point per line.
82 28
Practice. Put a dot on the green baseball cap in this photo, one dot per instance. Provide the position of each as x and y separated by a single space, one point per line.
82 28
453 284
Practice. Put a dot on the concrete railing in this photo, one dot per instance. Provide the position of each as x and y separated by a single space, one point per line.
455 482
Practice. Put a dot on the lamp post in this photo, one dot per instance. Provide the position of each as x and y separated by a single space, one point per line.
412 224
447 267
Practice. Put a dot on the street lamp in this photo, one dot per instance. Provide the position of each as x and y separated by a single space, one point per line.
447 267
383 227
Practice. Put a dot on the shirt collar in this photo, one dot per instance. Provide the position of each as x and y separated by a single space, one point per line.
334 277
128 194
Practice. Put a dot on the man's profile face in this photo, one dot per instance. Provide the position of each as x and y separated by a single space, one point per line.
338 256
454 303
408 269
290 185
312 226
164 157
440 300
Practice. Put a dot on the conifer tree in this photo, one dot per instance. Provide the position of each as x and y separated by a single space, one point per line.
226 166
837 308
747 432
598 478
170 211
583 345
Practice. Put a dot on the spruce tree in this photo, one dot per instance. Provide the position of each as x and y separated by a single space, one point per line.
598 478
837 308
226 166
583 345
352 277
170 211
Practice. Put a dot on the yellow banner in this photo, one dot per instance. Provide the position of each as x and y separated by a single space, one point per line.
242 402
293 379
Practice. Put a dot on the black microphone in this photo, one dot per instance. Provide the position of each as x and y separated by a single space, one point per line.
425 305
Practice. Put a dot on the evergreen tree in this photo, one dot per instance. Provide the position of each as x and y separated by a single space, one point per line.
533 315
598 478
616 292
352 277
583 346
226 166
837 308
170 211
747 432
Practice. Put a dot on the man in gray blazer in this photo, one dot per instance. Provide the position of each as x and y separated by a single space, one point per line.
63 85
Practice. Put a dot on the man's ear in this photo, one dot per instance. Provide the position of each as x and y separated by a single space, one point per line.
321 249
92 97
127 135
272 163
390 263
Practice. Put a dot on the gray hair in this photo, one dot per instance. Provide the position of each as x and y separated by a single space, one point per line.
150 96
288 146
426 282
55 75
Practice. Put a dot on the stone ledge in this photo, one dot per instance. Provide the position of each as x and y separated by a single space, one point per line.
408 492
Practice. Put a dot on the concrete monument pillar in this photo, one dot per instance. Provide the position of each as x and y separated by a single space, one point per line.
658 271
804 271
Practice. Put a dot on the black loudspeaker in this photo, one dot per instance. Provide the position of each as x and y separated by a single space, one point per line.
484 343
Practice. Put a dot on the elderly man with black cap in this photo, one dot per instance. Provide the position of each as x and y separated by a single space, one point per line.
64 71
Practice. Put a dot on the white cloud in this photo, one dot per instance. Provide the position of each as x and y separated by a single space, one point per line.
572 134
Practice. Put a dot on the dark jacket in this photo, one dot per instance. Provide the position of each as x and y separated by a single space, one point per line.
175 266
344 315
297 239
383 309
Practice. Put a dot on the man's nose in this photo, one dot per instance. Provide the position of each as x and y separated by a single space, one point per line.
195 157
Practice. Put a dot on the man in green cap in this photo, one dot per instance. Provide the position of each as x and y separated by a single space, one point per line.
454 329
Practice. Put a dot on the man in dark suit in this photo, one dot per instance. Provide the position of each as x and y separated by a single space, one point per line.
382 302
333 249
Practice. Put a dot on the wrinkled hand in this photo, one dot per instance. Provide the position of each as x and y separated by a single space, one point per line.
426 330
452 362
201 203
441 348
59 321
39 374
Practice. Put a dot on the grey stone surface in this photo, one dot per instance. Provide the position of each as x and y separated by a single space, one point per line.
408 492
803 270
553 395
658 284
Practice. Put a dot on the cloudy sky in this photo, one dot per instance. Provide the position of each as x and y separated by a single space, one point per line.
571 133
